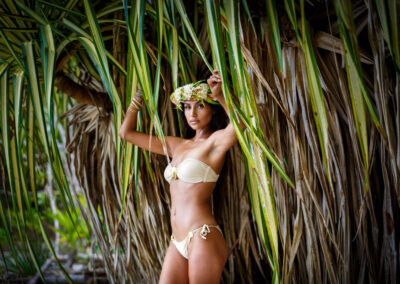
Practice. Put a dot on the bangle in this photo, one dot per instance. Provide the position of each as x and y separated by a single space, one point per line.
135 105
138 102
133 108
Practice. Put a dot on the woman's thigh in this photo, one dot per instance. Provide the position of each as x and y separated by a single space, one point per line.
207 257
175 267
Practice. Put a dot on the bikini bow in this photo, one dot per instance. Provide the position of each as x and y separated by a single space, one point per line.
204 231
174 172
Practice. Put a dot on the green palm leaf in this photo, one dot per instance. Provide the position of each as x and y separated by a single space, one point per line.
314 83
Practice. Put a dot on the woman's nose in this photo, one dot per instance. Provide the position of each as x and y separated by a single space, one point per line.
193 111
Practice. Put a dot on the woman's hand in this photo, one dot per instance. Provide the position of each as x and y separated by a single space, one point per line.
139 94
215 82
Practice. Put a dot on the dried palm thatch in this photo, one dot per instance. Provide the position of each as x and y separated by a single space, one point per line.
311 191
144 230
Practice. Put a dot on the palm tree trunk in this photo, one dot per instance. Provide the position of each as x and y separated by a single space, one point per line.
82 94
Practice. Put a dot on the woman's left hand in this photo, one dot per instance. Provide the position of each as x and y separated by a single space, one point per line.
215 82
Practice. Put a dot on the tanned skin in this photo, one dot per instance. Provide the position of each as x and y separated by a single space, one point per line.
190 202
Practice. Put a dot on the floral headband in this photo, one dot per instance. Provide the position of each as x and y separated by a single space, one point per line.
194 91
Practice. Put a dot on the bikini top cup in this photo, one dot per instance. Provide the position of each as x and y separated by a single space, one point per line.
192 171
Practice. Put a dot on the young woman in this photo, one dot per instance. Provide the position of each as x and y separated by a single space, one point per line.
197 252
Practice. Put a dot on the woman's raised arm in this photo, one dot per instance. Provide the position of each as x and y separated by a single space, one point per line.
223 138
128 131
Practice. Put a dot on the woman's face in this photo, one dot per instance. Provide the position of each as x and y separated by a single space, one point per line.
197 115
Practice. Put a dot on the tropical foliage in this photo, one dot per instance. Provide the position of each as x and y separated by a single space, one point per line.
311 191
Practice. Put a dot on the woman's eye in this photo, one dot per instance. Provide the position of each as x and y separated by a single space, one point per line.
200 106
186 107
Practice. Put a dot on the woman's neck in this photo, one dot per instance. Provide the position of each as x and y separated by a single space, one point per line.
202 134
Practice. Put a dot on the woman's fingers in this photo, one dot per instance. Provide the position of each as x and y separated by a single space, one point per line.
216 77
215 81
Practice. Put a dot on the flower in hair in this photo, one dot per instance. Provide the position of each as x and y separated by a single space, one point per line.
194 91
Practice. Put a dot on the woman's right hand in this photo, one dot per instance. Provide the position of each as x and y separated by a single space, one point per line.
215 83
139 94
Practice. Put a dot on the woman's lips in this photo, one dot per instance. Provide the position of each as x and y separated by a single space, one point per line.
194 121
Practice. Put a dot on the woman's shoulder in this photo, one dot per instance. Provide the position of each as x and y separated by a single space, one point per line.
173 143
224 139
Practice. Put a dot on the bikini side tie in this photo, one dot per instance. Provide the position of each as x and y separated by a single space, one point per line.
204 231
183 246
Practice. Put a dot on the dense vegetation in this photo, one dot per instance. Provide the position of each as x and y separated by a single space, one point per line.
310 193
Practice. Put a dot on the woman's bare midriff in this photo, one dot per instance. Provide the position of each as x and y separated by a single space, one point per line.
190 206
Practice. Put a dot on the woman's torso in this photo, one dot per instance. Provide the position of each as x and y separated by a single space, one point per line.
190 202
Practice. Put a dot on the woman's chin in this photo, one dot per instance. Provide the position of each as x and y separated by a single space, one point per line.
195 126
198 125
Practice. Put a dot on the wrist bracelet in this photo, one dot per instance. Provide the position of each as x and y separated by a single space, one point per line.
134 105
133 108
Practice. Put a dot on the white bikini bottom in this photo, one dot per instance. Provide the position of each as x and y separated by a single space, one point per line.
183 245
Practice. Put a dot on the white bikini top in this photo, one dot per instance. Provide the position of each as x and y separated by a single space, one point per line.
192 171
